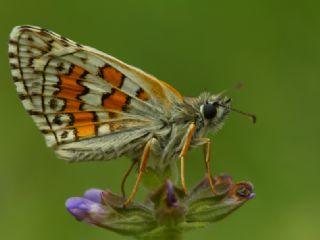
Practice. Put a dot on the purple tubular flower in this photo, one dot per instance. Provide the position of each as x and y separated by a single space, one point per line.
77 207
86 210
93 194
171 198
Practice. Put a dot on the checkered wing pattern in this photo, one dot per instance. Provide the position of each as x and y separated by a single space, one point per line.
88 105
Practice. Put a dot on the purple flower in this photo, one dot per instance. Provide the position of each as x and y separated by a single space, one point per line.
87 208
171 198
93 194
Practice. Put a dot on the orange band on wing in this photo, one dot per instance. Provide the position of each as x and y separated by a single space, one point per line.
71 89
116 100
82 117
69 86
84 123
77 71
85 131
71 106
112 76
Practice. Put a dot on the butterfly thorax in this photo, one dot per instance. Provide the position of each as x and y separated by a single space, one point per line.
173 134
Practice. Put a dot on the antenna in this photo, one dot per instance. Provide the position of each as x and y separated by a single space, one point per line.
237 86
251 116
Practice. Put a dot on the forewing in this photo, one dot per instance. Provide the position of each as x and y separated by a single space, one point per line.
81 97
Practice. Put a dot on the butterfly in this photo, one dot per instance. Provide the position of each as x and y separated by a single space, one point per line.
92 106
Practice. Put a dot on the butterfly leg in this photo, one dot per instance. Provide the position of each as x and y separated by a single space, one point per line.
143 163
207 158
184 150
125 177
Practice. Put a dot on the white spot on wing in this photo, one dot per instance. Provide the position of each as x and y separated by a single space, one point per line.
20 87
49 90
13 61
102 116
16 73
39 42
95 61
78 61
12 48
52 78
130 87
103 129
27 104
65 135
50 139
96 84
91 98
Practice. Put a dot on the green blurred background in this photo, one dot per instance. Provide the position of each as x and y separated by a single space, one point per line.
273 47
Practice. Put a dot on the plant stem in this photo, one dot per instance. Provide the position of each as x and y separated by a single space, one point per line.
164 234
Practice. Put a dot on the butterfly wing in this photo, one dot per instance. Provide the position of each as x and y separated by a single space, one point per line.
88 105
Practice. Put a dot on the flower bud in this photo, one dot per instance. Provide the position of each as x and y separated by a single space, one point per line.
204 207
86 210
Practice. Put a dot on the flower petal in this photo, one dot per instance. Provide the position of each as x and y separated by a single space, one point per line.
93 194
86 210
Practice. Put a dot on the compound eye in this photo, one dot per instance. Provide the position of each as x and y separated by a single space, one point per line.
209 110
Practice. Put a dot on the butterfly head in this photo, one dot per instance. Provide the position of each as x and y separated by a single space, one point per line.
214 110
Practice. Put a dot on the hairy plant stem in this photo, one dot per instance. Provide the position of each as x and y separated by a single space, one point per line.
165 234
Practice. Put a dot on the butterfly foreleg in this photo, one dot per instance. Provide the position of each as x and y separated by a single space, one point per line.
143 163
189 134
